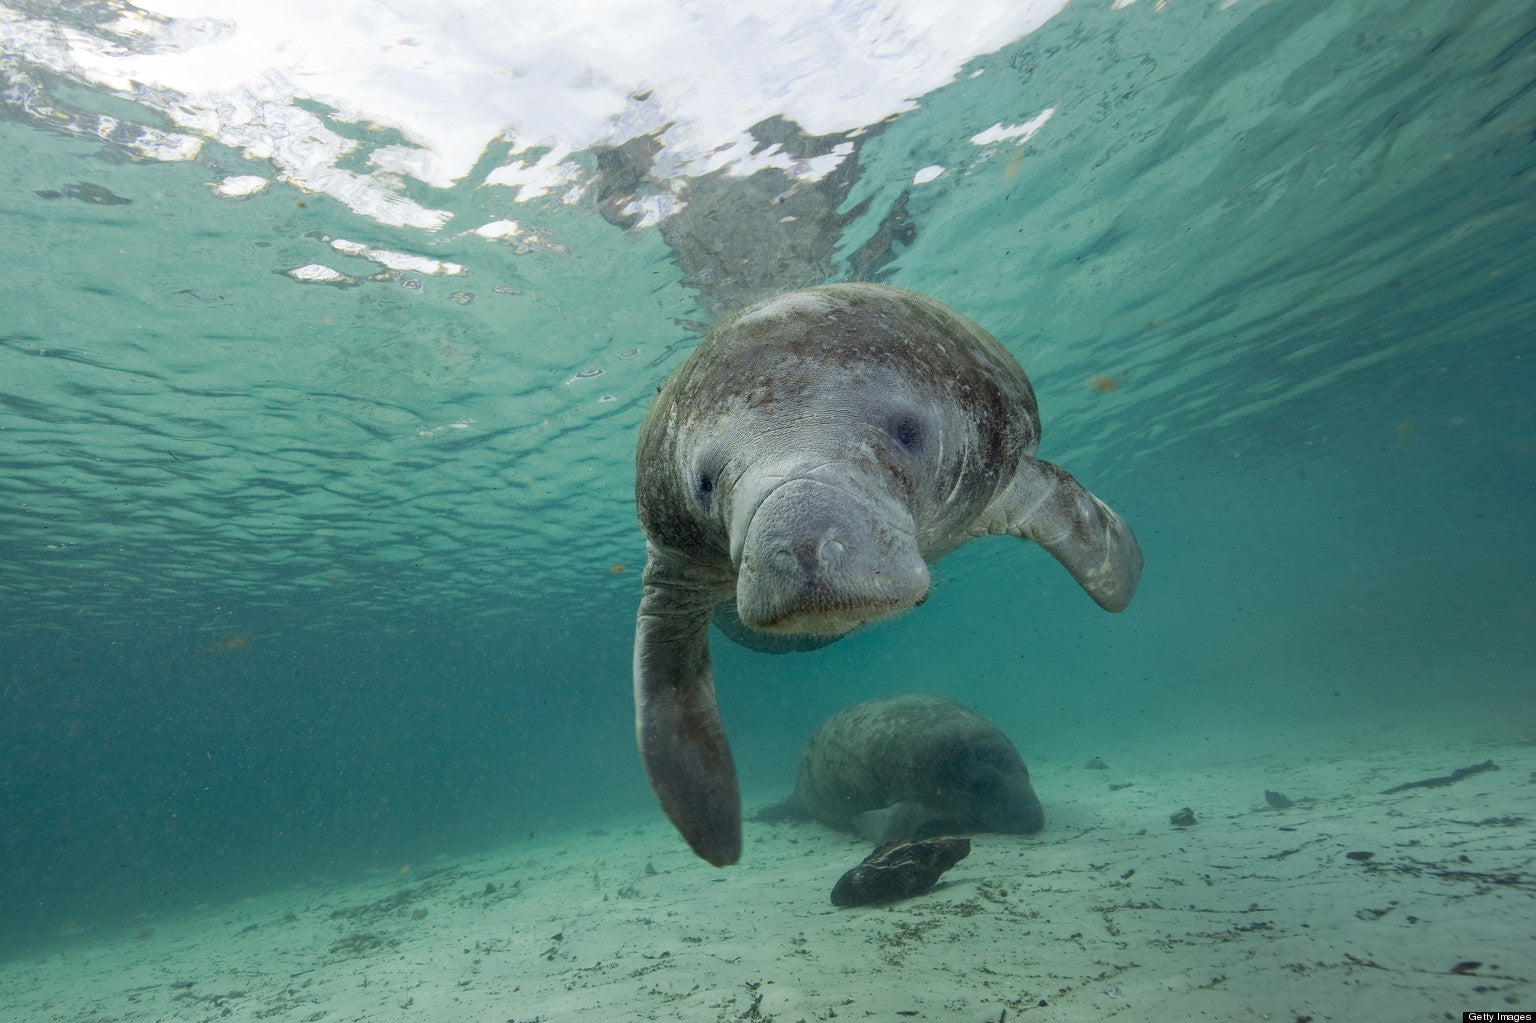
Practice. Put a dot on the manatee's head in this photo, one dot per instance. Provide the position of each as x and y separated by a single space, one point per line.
815 512
814 523
978 778
1005 801
823 443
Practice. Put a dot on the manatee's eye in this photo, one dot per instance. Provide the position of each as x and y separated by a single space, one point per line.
907 430
705 482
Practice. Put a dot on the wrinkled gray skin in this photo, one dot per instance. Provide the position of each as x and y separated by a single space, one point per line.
808 461
912 767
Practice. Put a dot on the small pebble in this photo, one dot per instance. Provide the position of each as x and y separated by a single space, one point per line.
1360 856
1183 819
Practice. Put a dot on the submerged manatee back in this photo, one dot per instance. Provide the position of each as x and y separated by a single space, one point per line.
905 766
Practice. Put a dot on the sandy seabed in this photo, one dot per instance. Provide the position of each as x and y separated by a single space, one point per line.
1111 912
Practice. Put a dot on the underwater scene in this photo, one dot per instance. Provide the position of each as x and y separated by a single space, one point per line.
409 615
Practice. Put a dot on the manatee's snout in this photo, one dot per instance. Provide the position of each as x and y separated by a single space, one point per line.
821 560
1005 801
1018 813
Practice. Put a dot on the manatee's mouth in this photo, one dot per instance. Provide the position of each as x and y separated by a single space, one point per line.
823 619
1020 814
820 560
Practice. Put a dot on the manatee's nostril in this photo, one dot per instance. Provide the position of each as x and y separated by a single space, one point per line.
783 560
832 550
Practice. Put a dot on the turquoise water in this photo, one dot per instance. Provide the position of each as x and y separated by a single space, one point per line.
305 578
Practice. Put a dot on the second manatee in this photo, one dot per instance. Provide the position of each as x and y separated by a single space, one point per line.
911 767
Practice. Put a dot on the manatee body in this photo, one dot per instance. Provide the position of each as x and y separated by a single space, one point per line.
910 767
795 478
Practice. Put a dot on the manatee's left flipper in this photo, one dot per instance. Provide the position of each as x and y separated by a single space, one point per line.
1046 505
784 810
892 823
677 724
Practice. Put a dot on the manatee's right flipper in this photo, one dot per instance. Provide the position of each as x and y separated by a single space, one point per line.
895 822
677 724
1046 505
742 634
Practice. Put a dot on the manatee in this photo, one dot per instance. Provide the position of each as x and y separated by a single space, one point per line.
800 471
910 767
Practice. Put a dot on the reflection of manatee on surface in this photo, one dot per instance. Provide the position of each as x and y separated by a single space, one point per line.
808 461
911 767
741 239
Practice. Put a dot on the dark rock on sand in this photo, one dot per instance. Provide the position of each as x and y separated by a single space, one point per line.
899 870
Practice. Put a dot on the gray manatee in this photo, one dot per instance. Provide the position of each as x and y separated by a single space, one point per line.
912 767
807 462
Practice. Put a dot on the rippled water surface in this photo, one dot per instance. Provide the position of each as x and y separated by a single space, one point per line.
320 379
